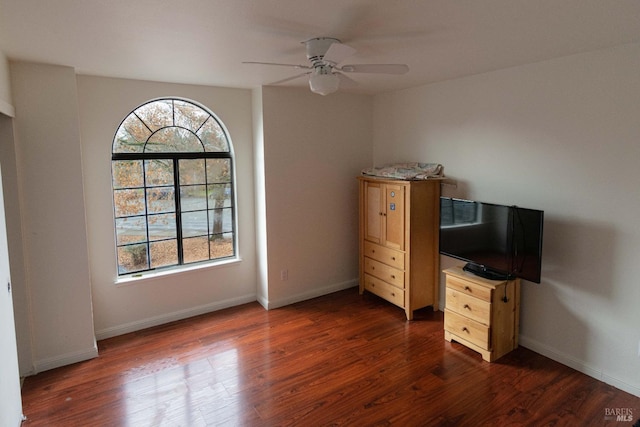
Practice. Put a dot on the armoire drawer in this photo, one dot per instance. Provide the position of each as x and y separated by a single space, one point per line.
388 256
384 272
384 290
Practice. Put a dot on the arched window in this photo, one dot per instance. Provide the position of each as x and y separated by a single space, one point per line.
173 188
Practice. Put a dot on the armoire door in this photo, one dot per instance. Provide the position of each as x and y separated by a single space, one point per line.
373 216
393 215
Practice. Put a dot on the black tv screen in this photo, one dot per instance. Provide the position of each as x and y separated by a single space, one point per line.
497 241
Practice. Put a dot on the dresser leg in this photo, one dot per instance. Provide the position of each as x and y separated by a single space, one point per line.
409 314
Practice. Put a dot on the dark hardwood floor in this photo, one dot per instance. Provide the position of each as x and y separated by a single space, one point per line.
342 359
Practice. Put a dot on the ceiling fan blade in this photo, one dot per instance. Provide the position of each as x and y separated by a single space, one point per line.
338 52
289 78
376 68
303 67
346 82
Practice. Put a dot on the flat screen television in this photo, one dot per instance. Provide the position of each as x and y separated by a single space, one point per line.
496 241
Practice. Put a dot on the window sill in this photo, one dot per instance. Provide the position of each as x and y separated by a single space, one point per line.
151 275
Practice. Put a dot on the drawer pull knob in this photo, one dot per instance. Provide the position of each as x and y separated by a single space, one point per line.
393 294
466 288
393 276
464 329
467 307
393 258
373 251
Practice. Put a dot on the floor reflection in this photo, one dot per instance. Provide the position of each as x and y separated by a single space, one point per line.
165 393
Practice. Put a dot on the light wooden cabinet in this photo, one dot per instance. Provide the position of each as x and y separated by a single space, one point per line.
399 236
482 314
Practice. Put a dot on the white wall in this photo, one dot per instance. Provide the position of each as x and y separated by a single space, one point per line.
6 104
562 136
305 151
123 308
14 222
314 147
12 203
262 283
49 179
311 151
10 402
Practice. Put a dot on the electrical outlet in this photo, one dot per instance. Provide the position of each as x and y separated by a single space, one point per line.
284 274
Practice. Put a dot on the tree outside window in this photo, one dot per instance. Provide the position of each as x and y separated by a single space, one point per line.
173 189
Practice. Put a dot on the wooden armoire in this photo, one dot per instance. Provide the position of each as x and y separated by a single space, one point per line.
399 238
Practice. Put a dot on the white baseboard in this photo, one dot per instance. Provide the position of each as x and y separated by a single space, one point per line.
263 302
64 359
195 311
318 292
171 317
577 364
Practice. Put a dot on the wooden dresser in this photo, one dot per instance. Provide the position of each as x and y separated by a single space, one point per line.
399 237
482 314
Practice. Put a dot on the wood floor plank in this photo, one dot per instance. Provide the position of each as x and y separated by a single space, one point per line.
341 359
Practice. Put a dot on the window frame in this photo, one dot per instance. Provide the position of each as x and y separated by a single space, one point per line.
175 157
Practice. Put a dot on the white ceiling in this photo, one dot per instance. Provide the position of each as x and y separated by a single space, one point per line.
206 41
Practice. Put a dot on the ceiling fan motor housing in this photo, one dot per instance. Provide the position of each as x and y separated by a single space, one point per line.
317 48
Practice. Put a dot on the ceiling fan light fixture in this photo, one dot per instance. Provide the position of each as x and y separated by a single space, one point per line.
324 84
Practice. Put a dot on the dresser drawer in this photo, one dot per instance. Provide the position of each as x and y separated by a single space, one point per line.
388 256
469 288
384 290
468 306
384 272
463 327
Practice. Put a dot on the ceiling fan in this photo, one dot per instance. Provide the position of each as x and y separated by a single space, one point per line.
326 75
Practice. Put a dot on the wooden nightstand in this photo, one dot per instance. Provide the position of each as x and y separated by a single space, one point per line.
482 314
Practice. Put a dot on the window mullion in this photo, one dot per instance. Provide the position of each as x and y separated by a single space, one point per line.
233 203
176 186
208 210
146 212
180 155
